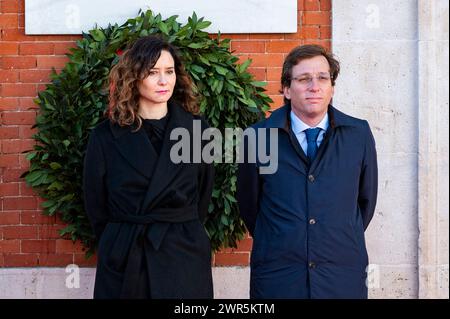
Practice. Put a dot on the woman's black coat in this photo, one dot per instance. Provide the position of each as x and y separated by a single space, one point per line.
147 213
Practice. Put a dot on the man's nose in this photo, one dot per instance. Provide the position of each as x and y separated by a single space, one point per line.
314 85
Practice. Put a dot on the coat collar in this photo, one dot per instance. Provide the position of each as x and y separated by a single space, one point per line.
137 149
280 118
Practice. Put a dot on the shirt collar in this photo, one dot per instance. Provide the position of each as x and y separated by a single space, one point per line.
299 126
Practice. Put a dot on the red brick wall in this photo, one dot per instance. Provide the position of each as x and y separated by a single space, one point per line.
27 238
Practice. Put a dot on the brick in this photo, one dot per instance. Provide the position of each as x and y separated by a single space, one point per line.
55 260
27 103
34 76
311 5
8 21
244 245
325 5
49 62
62 48
264 60
320 18
273 87
278 101
282 46
20 232
25 190
36 49
9 246
10 161
16 35
9 76
9 189
274 74
20 260
18 90
36 218
325 43
12 175
10 6
18 203
9 48
68 246
310 32
233 36
25 165
18 62
21 18
258 73
325 32
8 104
9 218
38 246
50 231
9 132
234 259
267 36
81 261
248 46
19 118
26 132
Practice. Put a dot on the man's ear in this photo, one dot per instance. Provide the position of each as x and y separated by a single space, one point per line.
287 92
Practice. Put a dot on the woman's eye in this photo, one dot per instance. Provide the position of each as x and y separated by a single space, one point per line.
153 72
170 72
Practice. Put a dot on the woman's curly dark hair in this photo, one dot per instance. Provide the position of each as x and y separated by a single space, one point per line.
134 66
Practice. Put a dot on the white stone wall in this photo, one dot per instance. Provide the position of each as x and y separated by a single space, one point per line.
78 283
394 60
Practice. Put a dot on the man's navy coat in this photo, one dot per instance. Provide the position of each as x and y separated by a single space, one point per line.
308 219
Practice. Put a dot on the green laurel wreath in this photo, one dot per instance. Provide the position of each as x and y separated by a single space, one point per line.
74 102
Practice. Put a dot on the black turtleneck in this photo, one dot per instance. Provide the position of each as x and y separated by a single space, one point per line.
155 131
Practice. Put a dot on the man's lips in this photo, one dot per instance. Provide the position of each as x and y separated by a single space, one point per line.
314 99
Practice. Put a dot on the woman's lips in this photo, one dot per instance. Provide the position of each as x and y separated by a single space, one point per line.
162 91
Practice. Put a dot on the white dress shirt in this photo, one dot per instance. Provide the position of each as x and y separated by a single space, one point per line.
299 127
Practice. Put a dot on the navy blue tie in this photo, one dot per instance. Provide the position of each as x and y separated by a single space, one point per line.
311 138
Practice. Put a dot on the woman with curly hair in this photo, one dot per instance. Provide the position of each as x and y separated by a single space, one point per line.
147 211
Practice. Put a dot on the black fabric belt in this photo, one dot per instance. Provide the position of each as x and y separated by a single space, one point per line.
151 229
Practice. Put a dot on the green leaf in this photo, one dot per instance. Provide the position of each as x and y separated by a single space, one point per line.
55 165
259 83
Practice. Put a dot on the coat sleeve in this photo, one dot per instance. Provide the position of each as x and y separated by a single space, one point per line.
368 185
205 182
94 190
248 189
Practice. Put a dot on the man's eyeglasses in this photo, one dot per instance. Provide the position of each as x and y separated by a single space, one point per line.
306 80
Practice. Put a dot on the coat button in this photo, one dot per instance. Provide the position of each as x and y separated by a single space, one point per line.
311 178
312 265
312 221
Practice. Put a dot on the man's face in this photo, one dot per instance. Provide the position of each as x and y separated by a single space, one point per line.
310 91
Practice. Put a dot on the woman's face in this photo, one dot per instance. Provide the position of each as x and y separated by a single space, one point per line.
157 88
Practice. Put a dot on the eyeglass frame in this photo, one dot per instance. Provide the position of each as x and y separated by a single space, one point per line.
311 77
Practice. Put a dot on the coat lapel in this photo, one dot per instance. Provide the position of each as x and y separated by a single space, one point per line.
336 120
280 119
135 148
165 170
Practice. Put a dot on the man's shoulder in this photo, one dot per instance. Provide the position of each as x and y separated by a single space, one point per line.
350 120
276 119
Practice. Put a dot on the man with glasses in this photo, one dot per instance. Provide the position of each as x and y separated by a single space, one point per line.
308 218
